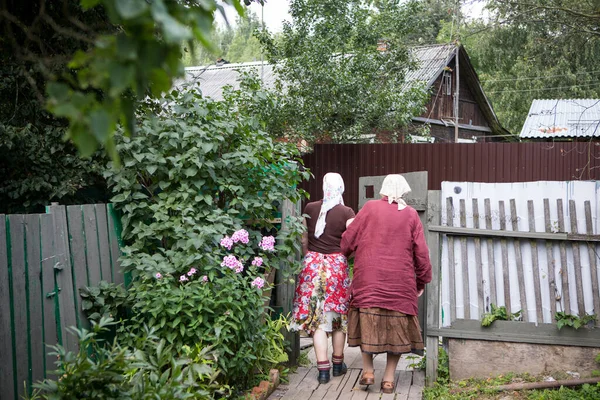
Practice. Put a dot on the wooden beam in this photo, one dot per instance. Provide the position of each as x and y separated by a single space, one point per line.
432 292
457 231
520 332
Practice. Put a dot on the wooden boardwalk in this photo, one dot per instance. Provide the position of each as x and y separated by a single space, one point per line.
303 383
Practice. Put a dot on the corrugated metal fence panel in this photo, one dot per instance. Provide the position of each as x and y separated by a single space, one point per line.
536 276
38 297
478 162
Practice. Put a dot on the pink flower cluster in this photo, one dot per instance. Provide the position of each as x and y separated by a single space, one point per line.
205 278
257 262
240 236
232 263
258 282
227 242
267 243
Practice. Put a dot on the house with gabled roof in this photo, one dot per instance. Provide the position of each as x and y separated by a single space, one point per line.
436 67
562 120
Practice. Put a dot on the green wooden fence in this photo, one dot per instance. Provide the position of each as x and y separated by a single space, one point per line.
44 260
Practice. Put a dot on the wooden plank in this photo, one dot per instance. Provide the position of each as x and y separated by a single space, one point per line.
350 384
64 278
551 261
537 287
504 250
403 384
334 392
564 267
7 382
478 261
416 388
34 275
451 262
92 250
433 291
114 234
576 260
19 298
465 263
589 228
106 272
522 332
514 220
494 233
490 255
50 300
78 259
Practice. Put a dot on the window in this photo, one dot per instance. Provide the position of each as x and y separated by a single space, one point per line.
447 82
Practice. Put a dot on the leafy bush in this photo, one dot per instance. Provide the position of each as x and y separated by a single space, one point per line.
114 372
499 313
105 300
573 321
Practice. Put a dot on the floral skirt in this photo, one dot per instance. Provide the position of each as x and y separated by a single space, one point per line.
321 299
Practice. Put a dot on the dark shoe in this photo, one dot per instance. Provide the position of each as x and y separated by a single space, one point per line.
339 369
324 376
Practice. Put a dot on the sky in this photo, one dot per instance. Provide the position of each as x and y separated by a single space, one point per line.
276 11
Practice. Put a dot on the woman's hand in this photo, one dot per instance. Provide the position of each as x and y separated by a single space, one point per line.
420 292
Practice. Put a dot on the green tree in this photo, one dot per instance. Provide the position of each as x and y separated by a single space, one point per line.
532 50
338 86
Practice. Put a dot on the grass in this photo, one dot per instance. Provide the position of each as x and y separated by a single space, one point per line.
482 389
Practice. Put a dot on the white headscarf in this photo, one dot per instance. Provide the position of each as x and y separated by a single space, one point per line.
333 188
394 187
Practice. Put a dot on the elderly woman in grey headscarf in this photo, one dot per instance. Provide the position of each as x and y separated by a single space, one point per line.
321 300
391 268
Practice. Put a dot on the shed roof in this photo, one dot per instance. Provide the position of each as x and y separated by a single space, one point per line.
555 118
430 60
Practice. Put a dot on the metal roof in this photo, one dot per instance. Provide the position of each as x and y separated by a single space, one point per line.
429 60
562 118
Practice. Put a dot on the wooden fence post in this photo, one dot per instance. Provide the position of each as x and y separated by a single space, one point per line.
64 278
434 211
285 288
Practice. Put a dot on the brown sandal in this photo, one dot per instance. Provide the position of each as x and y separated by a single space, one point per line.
367 378
387 387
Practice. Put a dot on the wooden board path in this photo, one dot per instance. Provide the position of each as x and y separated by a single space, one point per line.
303 383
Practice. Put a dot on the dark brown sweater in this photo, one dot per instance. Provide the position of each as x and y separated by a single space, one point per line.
335 225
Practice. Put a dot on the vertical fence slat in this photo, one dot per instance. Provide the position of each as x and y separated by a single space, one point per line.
490 254
478 260
514 220
551 261
576 259
434 211
92 252
36 337
114 238
537 287
103 242
589 228
465 262
50 298
78 258
503 247
564 269
451 263
7 383
64 278
17 238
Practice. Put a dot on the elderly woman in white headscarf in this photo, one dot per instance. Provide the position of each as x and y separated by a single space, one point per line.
321 300
391 268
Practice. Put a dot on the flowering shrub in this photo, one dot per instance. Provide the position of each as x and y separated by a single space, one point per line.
193 176
219 307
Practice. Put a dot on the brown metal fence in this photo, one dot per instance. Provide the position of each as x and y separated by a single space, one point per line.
479 162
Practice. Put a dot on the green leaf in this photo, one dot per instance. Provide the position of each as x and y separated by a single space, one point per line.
100 124
174 31
87 4
121 78
130 9
86 305
161 81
